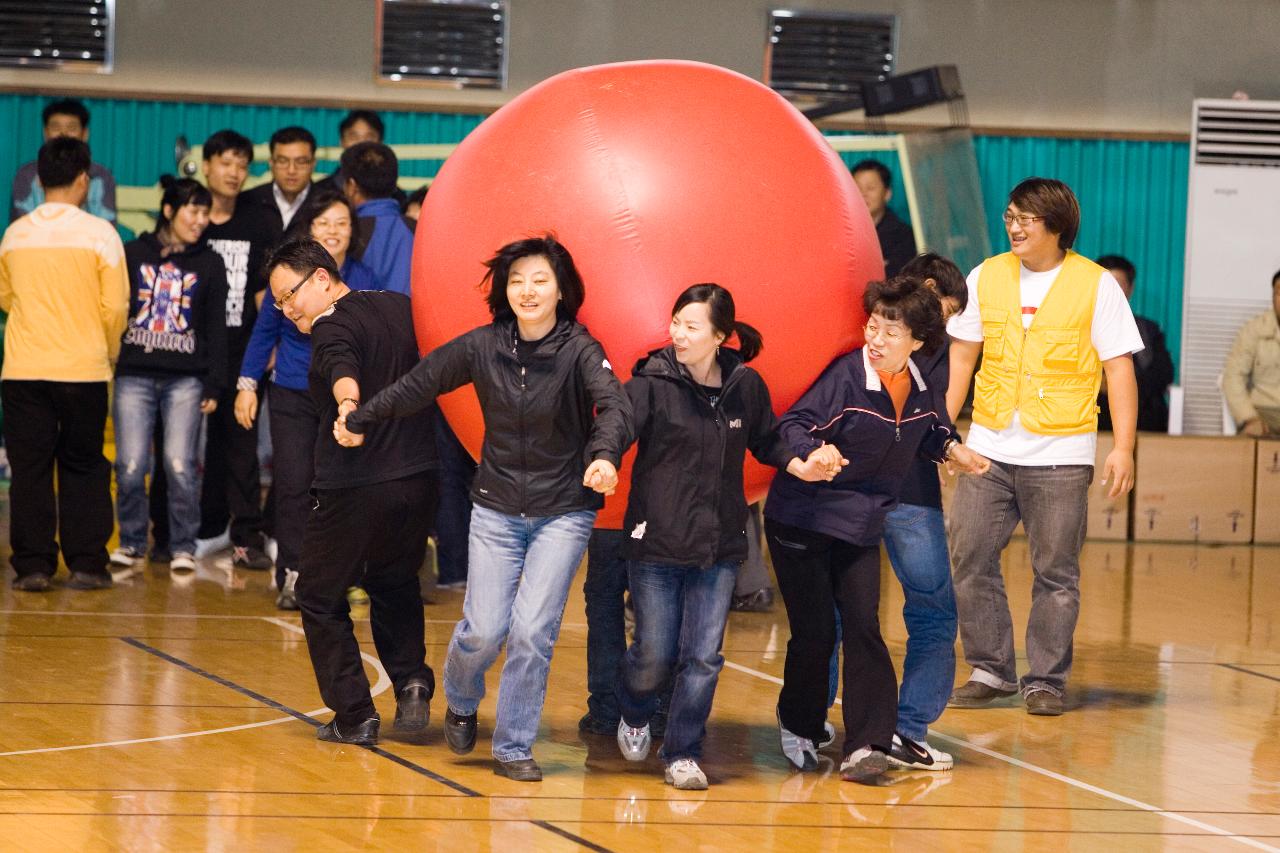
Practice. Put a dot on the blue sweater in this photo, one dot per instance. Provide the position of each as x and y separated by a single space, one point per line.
389 249
293 349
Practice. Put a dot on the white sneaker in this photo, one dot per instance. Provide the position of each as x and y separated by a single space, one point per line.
125 557
182 563
829 736
634 742
685 774
864 765
288 597
205 547
908 754
799 751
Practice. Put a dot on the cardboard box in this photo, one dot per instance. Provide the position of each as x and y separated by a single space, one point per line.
1266 493
1108 517
1194 489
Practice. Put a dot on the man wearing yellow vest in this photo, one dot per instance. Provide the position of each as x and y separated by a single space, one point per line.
1048 324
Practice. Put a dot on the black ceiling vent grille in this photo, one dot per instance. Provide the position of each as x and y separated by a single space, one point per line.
452 43
828 55
72 35
1237 133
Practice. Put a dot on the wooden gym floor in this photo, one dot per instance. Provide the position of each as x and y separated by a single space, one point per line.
180 716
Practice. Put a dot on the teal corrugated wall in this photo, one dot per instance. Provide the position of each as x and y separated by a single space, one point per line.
1133 194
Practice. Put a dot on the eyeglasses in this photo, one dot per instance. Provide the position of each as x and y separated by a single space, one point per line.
295 162
284 300
870 331
1023 219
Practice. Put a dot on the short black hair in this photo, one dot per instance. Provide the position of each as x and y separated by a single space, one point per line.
228 140
1119 262
369 117
303 256
66 107
374 168
572 291
946 275
875 166
1275 278
293 133
61 161
417 197
1054 200
908 299
178 193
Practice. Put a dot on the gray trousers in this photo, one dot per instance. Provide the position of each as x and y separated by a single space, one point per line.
753 574
1051 502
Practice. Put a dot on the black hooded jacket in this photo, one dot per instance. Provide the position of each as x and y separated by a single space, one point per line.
686 506
539 430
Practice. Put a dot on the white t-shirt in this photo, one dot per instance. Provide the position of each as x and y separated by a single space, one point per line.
1113 334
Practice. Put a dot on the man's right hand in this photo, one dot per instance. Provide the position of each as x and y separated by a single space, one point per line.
246 408
1254 427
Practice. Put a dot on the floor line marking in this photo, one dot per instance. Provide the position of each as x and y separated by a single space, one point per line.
1237 668
1059 777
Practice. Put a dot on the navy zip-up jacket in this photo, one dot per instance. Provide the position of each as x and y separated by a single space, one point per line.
849 408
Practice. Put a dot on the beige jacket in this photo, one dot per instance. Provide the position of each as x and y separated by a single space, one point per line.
1251 377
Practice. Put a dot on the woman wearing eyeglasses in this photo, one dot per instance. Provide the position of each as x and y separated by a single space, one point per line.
866 419
328 218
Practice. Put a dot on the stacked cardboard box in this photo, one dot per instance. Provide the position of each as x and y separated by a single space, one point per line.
1194 489
1266 498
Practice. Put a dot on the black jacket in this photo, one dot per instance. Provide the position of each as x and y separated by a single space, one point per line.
848 407
1153 368
177 323
686 506
539 431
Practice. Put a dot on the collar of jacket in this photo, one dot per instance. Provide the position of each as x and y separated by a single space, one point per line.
873 378
505 336
153 244
663 362
379 207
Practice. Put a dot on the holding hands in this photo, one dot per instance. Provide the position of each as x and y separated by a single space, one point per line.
822 464
966 461
340 432
601 476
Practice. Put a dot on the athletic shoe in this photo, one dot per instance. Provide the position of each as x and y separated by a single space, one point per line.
248 557
685 774
35 582
799 751
288 597
413 707
459 731
828 737
365 734
908 754
633 742
357 597
90 580
864 765
1042 703
125 557
182 563
975 694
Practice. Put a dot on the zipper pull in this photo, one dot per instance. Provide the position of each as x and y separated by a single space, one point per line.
897 433
522 371
1041 393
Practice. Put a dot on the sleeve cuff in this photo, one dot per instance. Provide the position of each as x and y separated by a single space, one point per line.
245 383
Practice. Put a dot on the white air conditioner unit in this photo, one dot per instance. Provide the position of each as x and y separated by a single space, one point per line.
1233 242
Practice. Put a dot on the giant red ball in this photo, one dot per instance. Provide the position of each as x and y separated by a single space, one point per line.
655 175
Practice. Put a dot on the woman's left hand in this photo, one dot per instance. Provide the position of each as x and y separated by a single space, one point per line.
208 406
601 476
966 461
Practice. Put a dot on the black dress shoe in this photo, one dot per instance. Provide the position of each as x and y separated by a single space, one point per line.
520 770
365 734
37 582
760 601
590 724
459 731
90 580
413 707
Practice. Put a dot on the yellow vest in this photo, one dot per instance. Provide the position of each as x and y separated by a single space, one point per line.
1048 373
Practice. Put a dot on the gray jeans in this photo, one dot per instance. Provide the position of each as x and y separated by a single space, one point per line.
1051 502
753 575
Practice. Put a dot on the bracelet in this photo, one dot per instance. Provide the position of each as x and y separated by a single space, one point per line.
947 447
348 400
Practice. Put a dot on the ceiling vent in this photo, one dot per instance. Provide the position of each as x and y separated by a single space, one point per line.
448 43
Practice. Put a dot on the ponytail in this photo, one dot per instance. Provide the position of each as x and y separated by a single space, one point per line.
749 340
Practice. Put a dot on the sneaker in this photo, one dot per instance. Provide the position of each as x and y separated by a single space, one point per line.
1042 703
864 765
248 557
413 707
182 562
908 754
633 742
288 597
214 544
459 731
975 694
590 724
828 735
365 734
357 597
35 582
799 751
90 580
760 601
685 774
125 557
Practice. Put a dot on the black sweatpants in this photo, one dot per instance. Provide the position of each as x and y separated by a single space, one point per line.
816 574
375 537
232 487
62 423
295 424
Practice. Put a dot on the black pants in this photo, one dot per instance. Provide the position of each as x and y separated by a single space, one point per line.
375 537
295 424
604 588
63 423
453 517
816 574
232 487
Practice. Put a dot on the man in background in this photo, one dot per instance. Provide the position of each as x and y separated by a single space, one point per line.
293 160
71 119
1251 377
897 240
1153 366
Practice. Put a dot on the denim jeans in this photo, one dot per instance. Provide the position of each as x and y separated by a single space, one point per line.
680 619
1051 502
916 540
517 584
138 402
604 588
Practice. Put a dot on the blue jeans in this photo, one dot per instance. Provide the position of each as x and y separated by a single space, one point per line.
916 540
680 619
518 581
138 401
